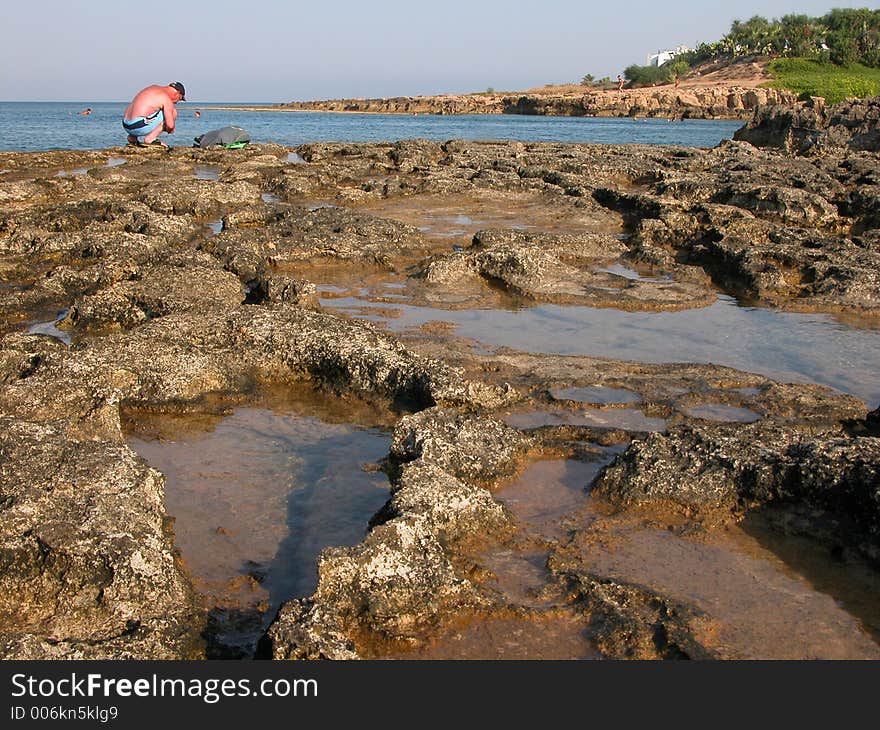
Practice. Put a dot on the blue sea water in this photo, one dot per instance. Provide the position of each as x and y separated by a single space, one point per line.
33 126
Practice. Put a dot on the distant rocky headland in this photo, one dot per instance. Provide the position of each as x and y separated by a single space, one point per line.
712 102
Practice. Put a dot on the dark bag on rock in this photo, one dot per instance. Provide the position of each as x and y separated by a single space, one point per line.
228 137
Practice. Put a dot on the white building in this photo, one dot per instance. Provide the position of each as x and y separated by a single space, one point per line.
661 57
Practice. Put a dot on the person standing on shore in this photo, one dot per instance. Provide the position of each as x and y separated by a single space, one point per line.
152 112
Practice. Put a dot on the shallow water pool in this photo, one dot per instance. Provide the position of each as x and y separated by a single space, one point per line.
786 346
255 496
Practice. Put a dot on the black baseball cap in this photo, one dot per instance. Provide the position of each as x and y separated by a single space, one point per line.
180 90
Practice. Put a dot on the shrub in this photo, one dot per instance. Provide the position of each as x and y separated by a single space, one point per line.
675 69
646 75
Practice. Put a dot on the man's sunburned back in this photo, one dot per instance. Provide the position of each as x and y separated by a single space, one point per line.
147 101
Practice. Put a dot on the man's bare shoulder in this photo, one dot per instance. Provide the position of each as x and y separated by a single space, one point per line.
152 92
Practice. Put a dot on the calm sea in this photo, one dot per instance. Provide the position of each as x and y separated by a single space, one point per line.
32 126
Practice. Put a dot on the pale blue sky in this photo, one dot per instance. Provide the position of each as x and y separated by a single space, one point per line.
271 50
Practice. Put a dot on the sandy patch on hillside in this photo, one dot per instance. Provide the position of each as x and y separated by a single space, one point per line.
747 74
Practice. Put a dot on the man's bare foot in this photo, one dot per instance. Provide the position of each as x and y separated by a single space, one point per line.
154 143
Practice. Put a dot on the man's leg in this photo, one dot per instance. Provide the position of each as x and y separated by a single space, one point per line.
155 127
153 135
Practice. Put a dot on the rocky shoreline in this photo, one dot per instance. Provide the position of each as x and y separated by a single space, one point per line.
714 102
167 314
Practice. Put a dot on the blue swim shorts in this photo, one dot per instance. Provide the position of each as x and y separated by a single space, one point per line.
142 126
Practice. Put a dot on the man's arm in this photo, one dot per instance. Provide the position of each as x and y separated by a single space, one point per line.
170 114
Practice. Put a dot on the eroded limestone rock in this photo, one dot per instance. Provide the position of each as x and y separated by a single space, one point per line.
813 128
401 581
724 469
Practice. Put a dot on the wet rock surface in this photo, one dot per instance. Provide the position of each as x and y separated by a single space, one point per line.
401 580
167 314
732 469
87 567
563 269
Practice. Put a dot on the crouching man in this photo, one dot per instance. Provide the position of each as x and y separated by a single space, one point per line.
152 112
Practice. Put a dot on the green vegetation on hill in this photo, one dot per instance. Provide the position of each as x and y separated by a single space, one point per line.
834 55
843 36
815 78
